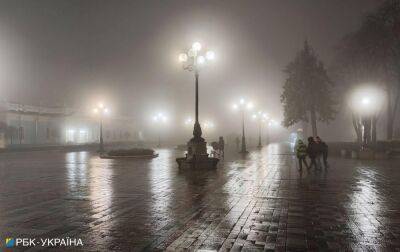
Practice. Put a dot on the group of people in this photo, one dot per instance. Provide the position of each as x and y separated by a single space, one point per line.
315 150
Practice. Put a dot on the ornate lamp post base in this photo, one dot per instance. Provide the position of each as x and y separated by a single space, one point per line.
197 156
201 162
243 151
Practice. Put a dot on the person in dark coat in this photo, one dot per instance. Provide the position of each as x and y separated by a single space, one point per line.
301 154
324 150
312 151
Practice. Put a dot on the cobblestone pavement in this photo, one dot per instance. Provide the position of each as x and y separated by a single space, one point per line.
256 203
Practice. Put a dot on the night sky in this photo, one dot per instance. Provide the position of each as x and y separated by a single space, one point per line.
125 52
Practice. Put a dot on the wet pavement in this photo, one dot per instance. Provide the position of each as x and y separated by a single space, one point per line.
255 203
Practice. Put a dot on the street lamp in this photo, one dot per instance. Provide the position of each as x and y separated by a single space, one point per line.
159 118
100 110
242 106
261 118
192 61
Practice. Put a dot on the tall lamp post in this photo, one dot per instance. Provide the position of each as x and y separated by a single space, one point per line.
159 118
101 111
192 61
261 118
242 106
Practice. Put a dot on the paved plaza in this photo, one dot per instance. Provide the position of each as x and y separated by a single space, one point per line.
256 203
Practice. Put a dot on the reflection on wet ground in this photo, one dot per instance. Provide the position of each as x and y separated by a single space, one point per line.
258 202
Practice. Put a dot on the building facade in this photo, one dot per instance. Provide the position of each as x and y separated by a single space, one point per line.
36 125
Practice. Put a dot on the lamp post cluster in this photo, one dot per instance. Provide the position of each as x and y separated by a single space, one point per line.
260 117
101 110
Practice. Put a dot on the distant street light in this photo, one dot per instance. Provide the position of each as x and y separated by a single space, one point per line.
192 61
242 106
261 118
100 110
189 121
159 119
208 125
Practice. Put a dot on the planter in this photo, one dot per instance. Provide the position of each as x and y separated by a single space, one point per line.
106 156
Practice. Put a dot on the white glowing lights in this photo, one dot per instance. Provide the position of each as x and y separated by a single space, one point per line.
273 123
183 57
193 58
189 121
101 109
160 117
201 60
196 46
261 116
243 104
367 100
210 55
208 125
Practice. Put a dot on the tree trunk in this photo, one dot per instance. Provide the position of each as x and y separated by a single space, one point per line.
373 130
314 122
366 122
390 115
357 128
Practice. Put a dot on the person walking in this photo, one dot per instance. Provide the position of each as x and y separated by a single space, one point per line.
324 150
312 152
301 153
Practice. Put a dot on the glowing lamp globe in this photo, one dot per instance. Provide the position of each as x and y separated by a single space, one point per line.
183 57
210 55
196 46
201 60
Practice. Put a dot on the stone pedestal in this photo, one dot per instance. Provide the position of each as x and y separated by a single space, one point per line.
197 156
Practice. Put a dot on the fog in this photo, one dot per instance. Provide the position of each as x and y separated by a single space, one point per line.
125 54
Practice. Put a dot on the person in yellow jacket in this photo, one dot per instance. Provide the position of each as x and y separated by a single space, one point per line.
301 153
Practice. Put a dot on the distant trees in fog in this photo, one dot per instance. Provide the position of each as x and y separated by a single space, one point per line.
307 92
